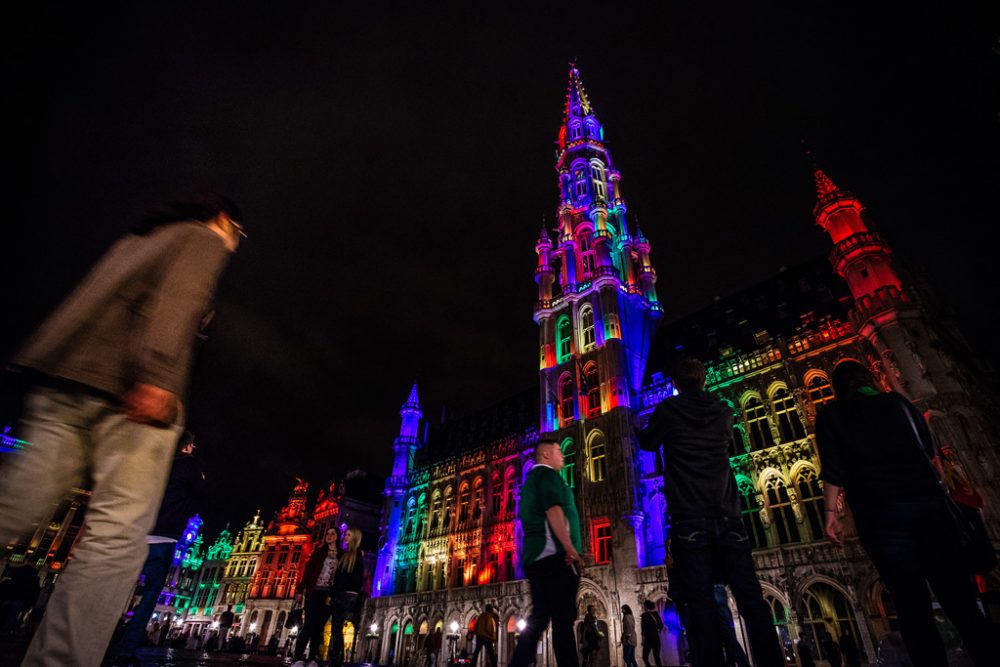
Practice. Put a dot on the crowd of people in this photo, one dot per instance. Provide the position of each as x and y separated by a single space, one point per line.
110 366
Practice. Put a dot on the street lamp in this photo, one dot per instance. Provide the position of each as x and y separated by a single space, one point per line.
521 625
372 638
453 638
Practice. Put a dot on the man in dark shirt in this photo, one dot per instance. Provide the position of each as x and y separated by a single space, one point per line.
708 541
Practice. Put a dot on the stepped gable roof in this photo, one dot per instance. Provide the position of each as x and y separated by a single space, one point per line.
509 417
775 305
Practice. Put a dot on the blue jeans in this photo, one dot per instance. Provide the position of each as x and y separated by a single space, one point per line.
628 655
76 434
707 551
154 572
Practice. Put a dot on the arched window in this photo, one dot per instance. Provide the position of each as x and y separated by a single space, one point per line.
477 498
587 328
567 396
421 516
580 179
449 509
779 616
592 382
592 131
820 390
496 492
564 339
463 504
411 517
598 457
755 416
508 492
586 254
780 505
825 606
750 511
436 510
811 498
597 176
575 131
568 471
789 424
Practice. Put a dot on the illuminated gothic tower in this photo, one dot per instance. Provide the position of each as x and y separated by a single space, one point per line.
596 322
405 449
605 297
920 352
863 259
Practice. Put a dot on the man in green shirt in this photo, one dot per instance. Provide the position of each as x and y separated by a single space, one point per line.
550 555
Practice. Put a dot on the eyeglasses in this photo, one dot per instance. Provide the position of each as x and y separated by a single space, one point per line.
238 227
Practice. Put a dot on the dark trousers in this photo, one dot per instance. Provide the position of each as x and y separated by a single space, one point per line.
553 586
628 655
491 651
651 648
913 545
154 573
317 613
717 549
343 610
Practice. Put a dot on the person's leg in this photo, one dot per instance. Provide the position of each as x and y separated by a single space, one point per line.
130 466
541 613
628 655
34 479
957 596
692 548
155 575
896 560
655 648
475 654
308 633
565 584
338 615
491 652
737 569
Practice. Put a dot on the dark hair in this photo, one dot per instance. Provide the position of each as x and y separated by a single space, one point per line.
545 441
489 607
648 604
199 206
187 438
850 376
626 609
689 375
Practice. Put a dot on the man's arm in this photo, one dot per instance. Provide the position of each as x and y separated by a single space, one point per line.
560 528
652 436
834 526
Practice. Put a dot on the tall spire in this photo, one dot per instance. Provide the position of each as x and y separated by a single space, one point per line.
413 400
577 102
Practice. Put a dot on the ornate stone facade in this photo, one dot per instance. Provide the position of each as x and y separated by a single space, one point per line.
449 530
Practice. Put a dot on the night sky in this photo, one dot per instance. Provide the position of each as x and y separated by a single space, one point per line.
394 166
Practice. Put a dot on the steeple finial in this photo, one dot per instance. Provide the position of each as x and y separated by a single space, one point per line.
824 185
577 102
413 400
